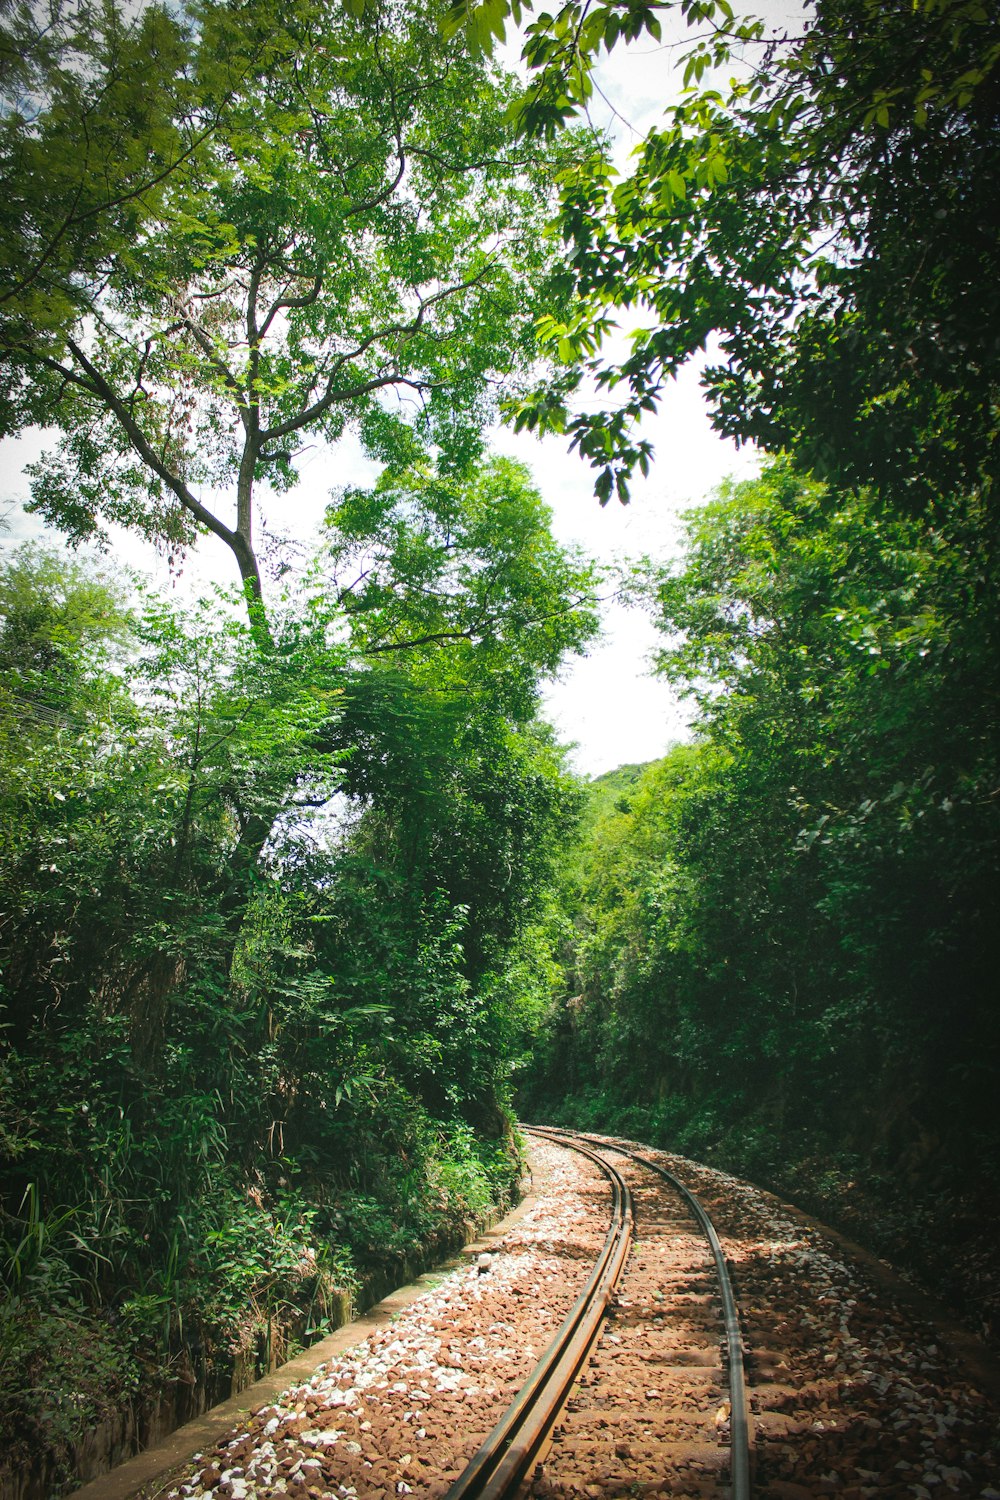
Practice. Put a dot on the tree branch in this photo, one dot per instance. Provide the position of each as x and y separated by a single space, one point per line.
285 302
331 395
100 386
207 348
423 640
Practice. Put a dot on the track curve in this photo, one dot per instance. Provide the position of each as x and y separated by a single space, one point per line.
504 1459
854 1391
740 1429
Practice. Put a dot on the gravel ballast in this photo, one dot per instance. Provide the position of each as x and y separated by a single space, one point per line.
853 1391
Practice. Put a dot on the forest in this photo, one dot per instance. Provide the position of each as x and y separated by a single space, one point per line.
301 903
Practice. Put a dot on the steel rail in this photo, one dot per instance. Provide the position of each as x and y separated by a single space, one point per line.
504 1459
739 1419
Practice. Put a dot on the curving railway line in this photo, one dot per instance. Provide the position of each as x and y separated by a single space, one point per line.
505 1460
640 1387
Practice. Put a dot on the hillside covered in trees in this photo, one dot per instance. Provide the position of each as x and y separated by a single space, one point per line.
296 889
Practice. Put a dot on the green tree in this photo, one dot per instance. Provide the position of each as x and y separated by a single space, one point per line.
825 218
263 920
849 663
56 620
427 559
785 931
141 787
459 604
357 244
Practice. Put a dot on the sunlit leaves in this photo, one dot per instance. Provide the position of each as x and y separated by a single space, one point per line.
98 114
358 242
864 141
427 564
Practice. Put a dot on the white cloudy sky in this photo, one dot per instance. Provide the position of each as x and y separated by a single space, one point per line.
607 704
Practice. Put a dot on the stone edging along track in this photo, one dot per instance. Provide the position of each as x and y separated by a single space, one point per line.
147 1475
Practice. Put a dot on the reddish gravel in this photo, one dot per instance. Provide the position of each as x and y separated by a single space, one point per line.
650 1413
852 1394
402 1412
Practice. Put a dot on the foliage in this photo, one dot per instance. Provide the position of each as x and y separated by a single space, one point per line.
261 914
784 931
132 823
61 1373
265 886
356 242
426 559
823 220
98 110
458 604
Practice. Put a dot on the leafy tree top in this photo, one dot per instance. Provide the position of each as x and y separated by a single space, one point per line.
98 107
358 241
425 559
826 220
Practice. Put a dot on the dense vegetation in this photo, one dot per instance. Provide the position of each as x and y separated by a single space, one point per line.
264 942
786 941
287 886
816 211
271 864
783 947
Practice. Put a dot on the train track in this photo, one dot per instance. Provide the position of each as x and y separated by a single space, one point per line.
853 1393
738 1400
505 1460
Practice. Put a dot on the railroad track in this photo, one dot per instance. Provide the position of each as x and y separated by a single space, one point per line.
853 1392
505 1460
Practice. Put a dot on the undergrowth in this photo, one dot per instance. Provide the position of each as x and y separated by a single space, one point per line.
110 1305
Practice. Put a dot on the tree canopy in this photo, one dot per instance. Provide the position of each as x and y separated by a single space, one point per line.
356 242
822 224
99 109
287 886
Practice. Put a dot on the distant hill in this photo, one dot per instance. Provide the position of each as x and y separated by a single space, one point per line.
607 790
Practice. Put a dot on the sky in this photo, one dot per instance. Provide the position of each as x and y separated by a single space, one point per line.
607 705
